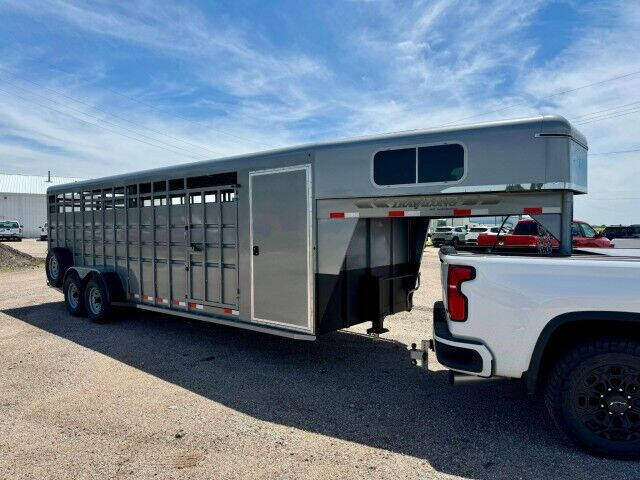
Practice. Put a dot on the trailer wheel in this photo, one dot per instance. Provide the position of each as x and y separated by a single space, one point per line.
73 294
56 264
593 396
96 300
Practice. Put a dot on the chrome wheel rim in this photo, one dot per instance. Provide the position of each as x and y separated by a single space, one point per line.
73 295
95 301
54 268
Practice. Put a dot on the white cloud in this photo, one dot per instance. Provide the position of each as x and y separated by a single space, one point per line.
414 66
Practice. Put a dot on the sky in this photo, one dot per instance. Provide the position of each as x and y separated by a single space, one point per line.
90 89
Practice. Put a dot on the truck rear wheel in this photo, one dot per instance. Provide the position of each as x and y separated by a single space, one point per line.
593 396
56 264
73 294
96 301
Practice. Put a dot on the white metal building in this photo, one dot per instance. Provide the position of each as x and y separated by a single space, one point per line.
23 198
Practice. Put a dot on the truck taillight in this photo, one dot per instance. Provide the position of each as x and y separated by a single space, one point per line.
456 301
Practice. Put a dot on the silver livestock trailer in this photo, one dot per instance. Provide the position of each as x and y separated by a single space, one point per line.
306 240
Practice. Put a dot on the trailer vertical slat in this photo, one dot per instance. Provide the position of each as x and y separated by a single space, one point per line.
205 296
126 240
139 208
220 247
154 261
169 273
115 237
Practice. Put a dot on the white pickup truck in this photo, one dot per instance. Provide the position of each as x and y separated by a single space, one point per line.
568 326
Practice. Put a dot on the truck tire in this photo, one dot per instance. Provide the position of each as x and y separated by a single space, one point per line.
593 396
73 294
96 300
56 264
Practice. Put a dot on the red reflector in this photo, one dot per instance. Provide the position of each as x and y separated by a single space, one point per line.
462 212
533 211
456 301
396 213
336 215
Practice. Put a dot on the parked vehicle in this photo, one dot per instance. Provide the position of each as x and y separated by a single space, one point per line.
619 231
44 232
11 231
576 341
529 235
584 236
448 236
471 237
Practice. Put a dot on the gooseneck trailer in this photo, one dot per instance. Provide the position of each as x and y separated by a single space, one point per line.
307 240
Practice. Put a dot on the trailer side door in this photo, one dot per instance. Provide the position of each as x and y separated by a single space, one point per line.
281 247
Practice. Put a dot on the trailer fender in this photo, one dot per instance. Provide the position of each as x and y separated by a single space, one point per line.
110 279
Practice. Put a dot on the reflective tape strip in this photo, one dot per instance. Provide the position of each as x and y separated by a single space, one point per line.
479 211
135 295
344 214
178 303
462 212
532 211
148 298
162 300
396 213
551 210
411 213
230 311
197 306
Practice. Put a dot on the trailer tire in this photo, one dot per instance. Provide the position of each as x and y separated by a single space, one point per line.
96 300
57 262
593 396
73 294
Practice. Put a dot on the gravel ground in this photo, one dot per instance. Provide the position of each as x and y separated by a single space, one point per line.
11 258
30 246
157 396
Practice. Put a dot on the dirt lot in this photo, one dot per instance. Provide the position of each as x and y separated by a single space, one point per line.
30 246
155 396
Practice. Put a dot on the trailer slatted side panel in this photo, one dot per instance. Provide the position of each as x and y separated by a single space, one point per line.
171 246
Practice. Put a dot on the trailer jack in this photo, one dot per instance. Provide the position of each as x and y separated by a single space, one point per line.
420 357
377 327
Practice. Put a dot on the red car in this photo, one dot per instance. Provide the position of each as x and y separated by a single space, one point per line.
529 235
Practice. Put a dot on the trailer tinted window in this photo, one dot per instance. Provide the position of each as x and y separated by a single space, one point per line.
440 163
176 184
395 167
216 180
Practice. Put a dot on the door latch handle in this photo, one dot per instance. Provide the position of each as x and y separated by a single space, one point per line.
256 250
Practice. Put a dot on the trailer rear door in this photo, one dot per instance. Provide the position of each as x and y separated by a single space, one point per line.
281 247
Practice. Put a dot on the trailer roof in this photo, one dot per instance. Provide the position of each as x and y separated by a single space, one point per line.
547 124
